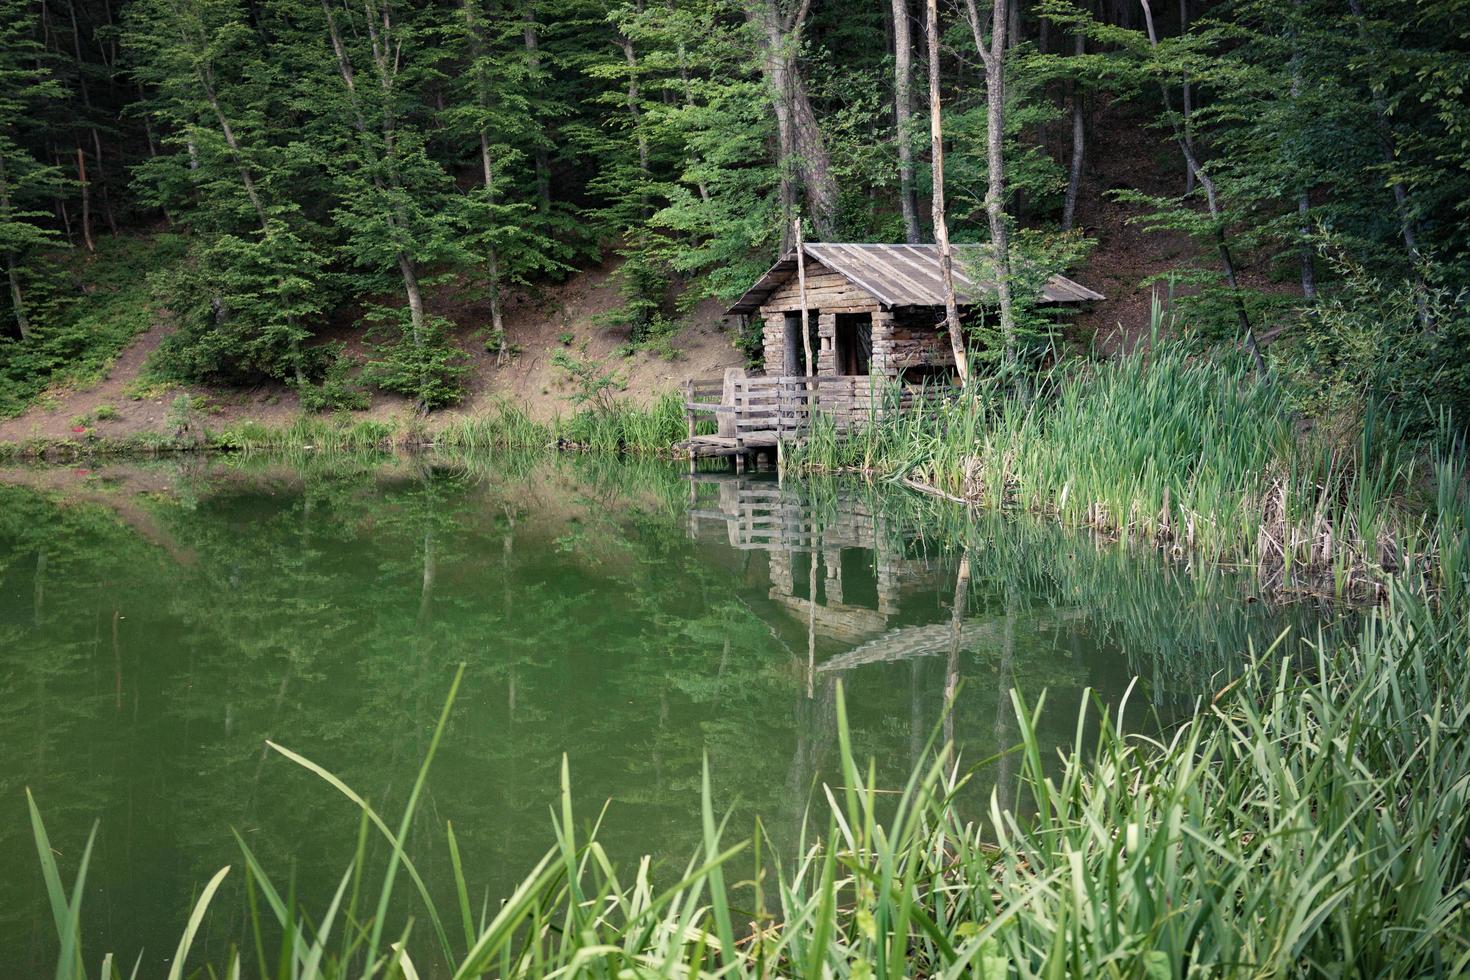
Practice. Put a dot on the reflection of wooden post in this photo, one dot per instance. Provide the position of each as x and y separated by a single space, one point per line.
952 668
689 420
1003 711
811 623
730 410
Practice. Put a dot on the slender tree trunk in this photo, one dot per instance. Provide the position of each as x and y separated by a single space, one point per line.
533 62
689 104
386 62
941 230
636 114
17 298
86 186
497 314
487 171
1188 96
903 109
1388 148
1079 138
1386 142
1303 203
1304 249
76 35
1212 201
63 213
1000 239
247 179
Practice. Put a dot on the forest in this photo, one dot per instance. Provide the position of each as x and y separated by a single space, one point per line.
279 177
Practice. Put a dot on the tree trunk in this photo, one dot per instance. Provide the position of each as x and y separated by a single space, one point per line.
803 149
533 62
76 36
487 170
689 104
1387 144
903 109
386 62
497 314
17 297
1389 149
409 271
1079 137
1212 201
1303 203
941 230
86 186
1188 95
1000 243
1309 270
228 131
636 114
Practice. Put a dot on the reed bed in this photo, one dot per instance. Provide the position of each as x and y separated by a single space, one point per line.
1309 820
1191 452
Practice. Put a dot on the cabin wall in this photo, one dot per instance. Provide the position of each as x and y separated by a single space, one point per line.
916 337
905 337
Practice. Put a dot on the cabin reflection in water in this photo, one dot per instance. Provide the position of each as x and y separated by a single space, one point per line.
853 588
865 586
853 561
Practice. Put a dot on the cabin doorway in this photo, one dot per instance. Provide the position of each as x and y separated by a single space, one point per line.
854 343
794 361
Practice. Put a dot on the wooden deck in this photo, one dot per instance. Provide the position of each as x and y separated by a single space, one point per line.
762 413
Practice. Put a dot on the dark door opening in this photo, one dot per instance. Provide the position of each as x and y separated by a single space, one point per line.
854 343
794 362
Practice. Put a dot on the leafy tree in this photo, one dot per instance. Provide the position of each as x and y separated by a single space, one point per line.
24 81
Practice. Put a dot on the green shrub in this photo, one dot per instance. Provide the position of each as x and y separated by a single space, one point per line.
338 389
429 369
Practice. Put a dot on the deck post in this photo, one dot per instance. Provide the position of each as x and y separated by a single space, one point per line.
730 407
689 421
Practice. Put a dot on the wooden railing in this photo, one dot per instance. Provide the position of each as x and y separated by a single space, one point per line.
763 410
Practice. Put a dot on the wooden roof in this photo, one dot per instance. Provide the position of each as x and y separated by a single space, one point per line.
902 275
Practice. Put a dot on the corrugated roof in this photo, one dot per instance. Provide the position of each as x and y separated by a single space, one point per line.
903 275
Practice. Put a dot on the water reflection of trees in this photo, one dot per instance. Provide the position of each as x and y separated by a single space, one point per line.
325 606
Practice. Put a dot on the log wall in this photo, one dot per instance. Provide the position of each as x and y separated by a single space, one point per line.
904 337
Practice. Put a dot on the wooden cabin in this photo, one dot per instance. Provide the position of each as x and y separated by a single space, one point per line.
874 310
875 316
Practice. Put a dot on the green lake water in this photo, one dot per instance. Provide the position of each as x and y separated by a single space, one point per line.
159 623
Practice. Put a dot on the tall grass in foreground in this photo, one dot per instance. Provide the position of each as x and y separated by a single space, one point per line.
1303 823
1192 452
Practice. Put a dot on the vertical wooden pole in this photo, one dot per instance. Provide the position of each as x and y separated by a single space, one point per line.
806 334
941 231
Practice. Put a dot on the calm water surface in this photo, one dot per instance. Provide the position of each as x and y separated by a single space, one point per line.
158 624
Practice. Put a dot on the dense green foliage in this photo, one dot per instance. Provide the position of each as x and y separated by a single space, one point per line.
332 167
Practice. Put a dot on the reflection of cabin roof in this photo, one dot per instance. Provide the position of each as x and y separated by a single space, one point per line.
909 642
902 275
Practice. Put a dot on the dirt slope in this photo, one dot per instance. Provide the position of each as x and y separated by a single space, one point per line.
560 318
